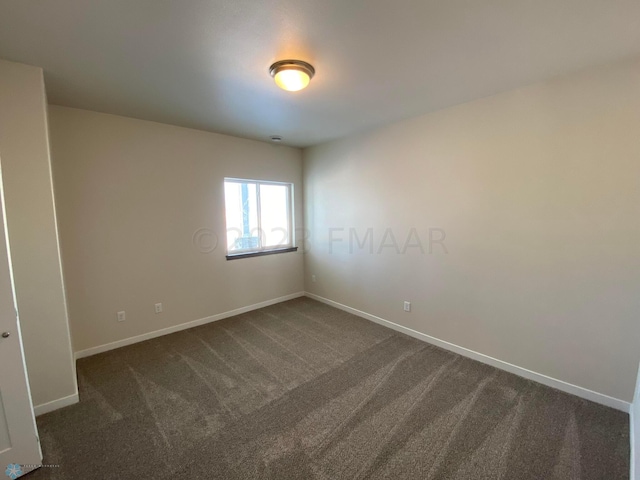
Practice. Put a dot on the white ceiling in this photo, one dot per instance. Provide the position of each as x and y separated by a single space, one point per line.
204 63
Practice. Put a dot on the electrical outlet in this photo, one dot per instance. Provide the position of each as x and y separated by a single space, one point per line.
158 308
313 278
121 316
407 306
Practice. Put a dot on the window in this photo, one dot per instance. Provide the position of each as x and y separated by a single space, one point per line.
259 217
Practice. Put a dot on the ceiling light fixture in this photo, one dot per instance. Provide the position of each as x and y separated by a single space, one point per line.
292 75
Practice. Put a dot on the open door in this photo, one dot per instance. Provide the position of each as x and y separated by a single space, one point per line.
19 446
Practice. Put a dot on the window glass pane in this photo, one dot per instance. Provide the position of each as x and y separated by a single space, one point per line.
242 216
274 219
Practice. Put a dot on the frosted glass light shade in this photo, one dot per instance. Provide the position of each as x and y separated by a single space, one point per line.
291 80
292 75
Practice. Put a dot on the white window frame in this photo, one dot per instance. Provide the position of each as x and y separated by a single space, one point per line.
262 250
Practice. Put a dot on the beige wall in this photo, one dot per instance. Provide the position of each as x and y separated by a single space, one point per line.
24 156
538 193
131 195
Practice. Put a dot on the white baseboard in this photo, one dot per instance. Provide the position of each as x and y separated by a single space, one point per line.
56 404
634 432
494 362
523 372
634 474
183 326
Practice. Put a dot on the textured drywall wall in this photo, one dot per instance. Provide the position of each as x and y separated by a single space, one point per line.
138 205
32 232
537 196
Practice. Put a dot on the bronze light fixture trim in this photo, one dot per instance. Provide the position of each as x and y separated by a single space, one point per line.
292 75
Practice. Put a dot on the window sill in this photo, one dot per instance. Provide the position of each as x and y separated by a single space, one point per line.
262 253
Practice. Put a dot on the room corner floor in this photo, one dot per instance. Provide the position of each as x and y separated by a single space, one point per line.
300 390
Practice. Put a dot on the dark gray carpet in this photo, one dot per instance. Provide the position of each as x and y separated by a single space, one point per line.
302 390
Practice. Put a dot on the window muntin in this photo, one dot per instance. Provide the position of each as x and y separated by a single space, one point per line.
258 215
